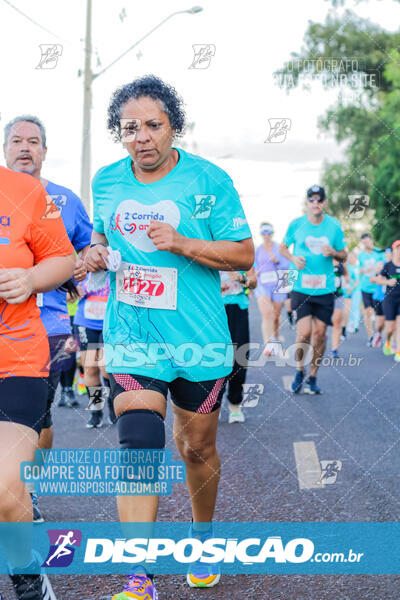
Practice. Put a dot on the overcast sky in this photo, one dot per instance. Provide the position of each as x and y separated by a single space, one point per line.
230 101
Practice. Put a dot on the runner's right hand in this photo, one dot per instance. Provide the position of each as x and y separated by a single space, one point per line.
300 262
94 258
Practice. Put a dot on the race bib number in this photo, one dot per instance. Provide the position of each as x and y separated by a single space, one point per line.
268 277
313 282
94 309
147 287
370 268
39 300
338 282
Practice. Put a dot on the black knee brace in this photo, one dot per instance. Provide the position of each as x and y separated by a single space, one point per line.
141 429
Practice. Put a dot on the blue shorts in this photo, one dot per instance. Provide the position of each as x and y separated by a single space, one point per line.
268 290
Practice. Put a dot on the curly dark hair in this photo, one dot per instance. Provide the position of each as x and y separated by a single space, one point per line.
153 87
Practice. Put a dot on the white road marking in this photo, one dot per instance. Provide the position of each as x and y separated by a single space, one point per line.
308 466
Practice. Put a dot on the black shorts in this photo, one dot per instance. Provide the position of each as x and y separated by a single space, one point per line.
61 359
369 301
23 400
88 337
196 396
320 307
391 308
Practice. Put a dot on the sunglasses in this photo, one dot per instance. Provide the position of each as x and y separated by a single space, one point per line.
319 199
267 231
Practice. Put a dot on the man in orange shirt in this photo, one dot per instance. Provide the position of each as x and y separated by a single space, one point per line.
35 256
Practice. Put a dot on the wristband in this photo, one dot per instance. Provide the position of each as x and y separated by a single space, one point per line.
98 244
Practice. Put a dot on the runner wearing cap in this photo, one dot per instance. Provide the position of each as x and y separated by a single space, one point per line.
371 263
390 277
267 262
317 239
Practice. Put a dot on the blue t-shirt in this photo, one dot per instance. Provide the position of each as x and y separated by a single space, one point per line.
188 335
318 276
92 306
54 311
368 262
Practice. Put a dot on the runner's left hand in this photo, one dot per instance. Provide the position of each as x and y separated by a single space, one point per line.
165 237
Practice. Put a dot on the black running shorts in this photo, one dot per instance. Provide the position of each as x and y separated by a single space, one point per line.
195 396
391 308
23 400
369 301
321 307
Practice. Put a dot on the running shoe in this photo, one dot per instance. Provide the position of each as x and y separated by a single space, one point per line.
96 419
112 417
32 587
387 349
235 414
61 400
70 398
311 386
335 354
139 586
397 357
376 340
369 343
297 382
37 515
202 575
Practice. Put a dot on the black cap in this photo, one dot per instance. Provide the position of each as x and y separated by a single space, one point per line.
365 235
316 189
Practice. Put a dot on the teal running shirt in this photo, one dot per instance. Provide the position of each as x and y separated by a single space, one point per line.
165 317
318 276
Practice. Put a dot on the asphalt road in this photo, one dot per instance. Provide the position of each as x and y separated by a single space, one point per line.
355 421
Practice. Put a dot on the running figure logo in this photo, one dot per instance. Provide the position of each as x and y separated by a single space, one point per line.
51 211
97 397
62 547
50 55
329 471
203 54
286 280
278 129
204 204
251 394
358 204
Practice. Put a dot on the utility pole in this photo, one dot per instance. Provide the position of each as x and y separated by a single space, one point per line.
89 77
87 109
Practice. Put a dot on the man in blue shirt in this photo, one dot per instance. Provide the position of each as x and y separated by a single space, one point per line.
317 239
25 150
371 262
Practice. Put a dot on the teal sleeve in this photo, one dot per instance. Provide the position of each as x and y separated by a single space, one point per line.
227 219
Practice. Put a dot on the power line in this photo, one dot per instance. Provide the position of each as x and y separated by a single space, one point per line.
33 21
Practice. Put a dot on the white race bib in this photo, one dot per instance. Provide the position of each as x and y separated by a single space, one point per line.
147 287
268 277
232 288
338 282
95 309
313 282
39 300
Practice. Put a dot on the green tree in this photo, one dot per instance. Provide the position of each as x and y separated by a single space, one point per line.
354 54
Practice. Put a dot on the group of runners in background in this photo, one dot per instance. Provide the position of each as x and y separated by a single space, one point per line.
188 267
